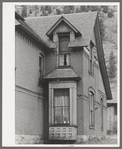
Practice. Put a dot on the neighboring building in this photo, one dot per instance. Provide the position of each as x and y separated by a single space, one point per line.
62 85
112 113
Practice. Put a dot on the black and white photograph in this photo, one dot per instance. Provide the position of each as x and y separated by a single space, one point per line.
64 73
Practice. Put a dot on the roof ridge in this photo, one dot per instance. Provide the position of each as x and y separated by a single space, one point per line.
82 13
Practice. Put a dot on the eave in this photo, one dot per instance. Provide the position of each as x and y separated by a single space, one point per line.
102 60
50 31
24 26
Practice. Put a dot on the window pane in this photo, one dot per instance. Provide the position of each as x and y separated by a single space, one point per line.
63 43
61 92
58 115
66 115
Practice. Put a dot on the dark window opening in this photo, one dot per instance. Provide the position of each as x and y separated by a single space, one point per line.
115 110
41 68
101 113
92 111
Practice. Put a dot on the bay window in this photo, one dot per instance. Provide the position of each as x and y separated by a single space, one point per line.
61 106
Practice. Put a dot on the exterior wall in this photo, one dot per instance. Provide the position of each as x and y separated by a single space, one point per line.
29 115
77 66
50 61
27 63
95 82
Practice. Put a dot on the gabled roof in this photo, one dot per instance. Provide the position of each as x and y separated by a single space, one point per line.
20 22
66 73
62 18
17 22
83 22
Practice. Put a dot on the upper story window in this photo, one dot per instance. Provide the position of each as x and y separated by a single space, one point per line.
101 113
91 58
92 109
61 106
64 51
41 68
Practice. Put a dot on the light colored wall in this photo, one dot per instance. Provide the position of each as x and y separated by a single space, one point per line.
29 100
95 81
28 113
27 63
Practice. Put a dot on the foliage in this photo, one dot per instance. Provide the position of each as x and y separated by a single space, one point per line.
58 11
112 66
24 11
105 9
30 11
67 10
48 8
101 24
110 14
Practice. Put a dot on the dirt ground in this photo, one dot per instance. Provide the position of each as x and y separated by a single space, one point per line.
110 139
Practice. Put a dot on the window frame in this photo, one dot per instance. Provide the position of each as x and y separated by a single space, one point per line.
91 59
92 115
65 53
61 107
101 100
41 68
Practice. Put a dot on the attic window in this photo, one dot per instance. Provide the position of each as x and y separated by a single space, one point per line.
64 51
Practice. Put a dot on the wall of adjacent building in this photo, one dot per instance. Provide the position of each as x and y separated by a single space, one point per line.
111 118
29 98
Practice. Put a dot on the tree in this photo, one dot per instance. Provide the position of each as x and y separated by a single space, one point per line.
58 11
112 66
49 10
30 11
94 8
83 8
105 9
101 24
67 10
110 14
24 11
77 10
43 11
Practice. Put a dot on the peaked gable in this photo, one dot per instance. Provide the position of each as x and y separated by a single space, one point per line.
50 31
82 22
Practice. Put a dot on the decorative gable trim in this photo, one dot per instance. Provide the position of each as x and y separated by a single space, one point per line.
49 32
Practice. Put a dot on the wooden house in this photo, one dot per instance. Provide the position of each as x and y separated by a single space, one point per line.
62 85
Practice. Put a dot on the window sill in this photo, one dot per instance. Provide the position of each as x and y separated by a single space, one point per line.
67 66
63 125
91 127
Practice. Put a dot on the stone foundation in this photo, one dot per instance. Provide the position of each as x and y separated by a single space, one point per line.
82 138
28 139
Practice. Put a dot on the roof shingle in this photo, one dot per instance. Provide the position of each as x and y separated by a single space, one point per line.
84 22
62 74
